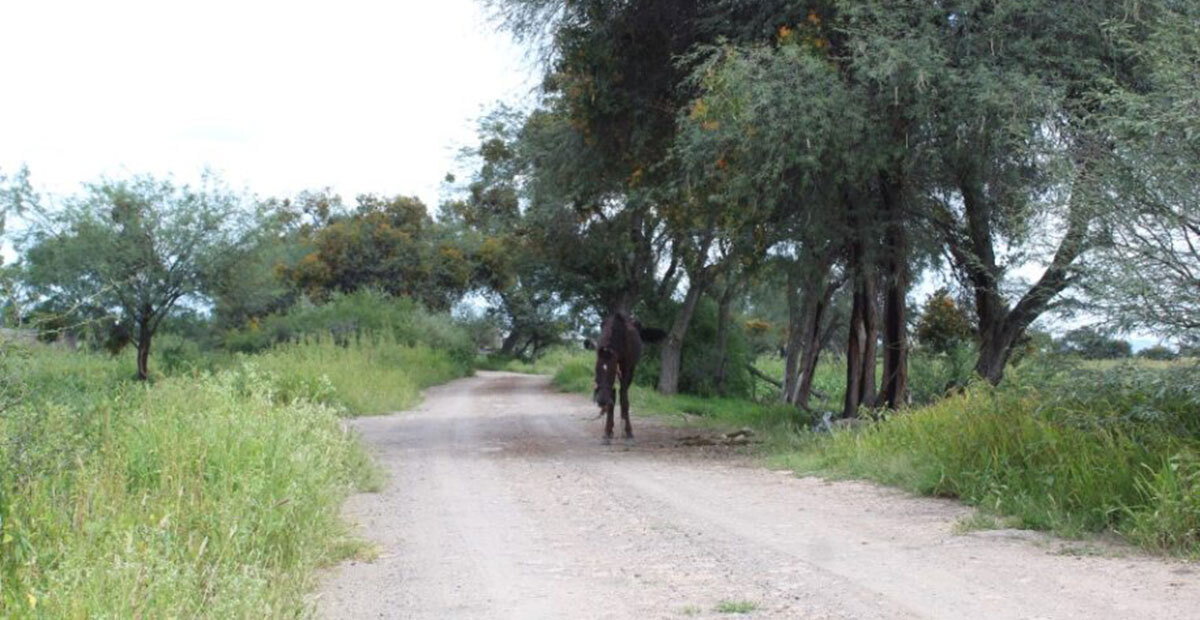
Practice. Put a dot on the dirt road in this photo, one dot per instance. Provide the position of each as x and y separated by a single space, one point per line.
503 504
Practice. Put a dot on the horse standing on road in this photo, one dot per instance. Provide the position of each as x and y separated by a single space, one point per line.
617 355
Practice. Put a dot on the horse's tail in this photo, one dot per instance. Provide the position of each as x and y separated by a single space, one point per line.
651 334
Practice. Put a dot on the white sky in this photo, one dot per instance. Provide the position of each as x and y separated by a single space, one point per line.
276 96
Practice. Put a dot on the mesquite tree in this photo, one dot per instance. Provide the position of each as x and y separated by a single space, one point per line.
133 249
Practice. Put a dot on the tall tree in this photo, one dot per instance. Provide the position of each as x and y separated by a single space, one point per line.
1146 274
501 240
614 84
1019 143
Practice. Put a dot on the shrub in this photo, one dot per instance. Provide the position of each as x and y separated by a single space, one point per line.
1093 345
348 318
1158 352
369 376
943 326
934 375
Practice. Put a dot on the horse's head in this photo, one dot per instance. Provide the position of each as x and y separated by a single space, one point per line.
606 376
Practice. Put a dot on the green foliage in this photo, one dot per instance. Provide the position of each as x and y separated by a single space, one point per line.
354 317
504 243
933 376
1148 266
131 249
368 376
697 370
1158 352
387 244
1090 344
209 495
943 326
735 607
1069 451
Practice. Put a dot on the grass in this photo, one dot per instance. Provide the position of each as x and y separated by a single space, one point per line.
735 607
1115 450
370 377
1064 447
208 493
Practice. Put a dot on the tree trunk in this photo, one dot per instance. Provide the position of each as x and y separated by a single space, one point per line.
143 349
796 319
672 349
973 252
861 345
510 342
724 312
809 292
895 325
993 356
812 347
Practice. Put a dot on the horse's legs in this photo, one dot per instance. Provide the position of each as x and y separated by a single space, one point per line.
608 424
625 409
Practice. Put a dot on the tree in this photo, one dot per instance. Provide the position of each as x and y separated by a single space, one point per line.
388 244
614 84
133 249
1091 344
1146 274
943 326
1020 150
1158 352
501 242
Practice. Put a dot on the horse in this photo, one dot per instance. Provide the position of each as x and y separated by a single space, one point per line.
617 353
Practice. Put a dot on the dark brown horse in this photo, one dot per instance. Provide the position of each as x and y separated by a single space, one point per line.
617 355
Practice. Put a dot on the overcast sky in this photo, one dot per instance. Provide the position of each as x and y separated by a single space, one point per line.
276 96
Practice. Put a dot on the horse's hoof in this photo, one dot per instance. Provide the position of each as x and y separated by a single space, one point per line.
629 440
606 441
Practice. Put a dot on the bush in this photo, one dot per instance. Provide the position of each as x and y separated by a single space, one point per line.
1092 345
1158 352
932 376
369 376
350 318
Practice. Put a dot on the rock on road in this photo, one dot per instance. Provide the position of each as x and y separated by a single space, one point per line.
502 503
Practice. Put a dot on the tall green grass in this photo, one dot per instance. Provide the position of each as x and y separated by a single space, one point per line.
204 493
369 376
1116 450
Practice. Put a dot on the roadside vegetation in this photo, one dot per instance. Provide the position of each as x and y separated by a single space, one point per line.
214 488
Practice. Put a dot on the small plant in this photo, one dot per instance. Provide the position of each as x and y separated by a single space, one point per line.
736 607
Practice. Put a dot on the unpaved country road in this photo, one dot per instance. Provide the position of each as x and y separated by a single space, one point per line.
502 503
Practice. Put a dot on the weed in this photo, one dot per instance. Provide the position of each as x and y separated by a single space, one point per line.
736 607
